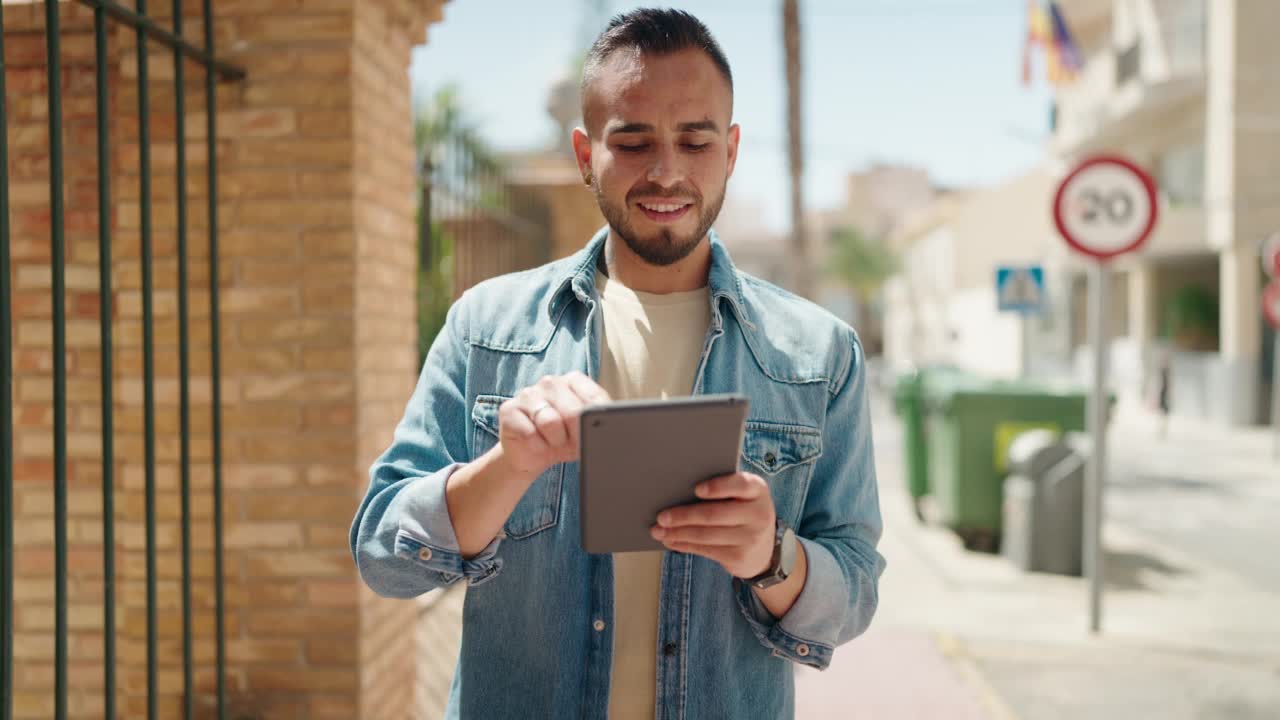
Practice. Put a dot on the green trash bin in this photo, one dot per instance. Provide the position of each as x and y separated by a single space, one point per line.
969 424
908 403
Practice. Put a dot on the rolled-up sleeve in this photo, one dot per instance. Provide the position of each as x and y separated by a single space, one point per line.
402 537
839 530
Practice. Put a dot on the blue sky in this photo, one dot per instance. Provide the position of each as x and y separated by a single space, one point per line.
931 83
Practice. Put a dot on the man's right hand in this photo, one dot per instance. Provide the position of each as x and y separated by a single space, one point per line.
539 427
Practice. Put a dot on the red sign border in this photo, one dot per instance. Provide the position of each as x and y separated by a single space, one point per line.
1271 298
1132 167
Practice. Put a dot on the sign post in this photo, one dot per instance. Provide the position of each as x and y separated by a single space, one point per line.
1104 208
1021 290
1271 308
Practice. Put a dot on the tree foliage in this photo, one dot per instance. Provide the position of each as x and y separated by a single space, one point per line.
860 263
452 153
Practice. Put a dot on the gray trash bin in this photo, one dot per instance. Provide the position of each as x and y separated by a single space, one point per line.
1044 504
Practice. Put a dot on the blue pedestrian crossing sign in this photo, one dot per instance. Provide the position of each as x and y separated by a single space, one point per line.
1020 289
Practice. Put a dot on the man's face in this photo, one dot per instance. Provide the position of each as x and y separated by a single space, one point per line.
659 148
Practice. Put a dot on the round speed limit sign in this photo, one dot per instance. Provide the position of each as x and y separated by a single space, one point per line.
1105 207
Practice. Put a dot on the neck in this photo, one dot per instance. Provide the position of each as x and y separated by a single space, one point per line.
629 269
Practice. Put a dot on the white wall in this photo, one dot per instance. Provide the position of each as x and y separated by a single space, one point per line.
984 340
942 309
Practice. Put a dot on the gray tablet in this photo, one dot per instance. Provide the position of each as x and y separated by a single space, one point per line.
640 457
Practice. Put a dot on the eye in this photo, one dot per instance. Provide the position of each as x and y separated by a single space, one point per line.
696 147
632 148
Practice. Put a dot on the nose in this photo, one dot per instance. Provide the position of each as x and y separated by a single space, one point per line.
667 170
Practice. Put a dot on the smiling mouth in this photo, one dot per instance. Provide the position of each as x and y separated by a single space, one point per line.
664 211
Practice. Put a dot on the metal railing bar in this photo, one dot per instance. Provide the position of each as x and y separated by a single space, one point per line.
215 370
58 262
465 206
184 383
148 359
138 19
6 413
108 408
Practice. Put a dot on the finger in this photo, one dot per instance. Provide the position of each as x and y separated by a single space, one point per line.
529 401
543 414
587 389
722 513
514 423
568 405
741 485
556 392
551 426
726 556
718 536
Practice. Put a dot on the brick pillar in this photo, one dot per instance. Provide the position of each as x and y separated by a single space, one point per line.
319 333
383 254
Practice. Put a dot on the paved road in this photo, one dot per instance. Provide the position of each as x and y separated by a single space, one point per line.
1190 624
1211 494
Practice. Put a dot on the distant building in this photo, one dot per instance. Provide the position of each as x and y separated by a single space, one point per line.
1182 87
878 199
1186 89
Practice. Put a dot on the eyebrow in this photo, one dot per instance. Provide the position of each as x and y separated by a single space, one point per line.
635 127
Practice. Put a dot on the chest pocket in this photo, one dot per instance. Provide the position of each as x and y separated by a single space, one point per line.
539 509
784 455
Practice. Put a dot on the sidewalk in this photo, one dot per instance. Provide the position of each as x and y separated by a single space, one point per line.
1190 622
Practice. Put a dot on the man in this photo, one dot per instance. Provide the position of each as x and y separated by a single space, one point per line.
777 564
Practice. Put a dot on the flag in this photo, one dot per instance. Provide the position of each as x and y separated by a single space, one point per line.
1037 36
1068 53
1047 30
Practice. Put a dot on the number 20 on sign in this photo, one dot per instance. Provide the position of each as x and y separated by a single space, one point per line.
1106 207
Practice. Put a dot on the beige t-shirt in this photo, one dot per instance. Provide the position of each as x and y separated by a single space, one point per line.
650 348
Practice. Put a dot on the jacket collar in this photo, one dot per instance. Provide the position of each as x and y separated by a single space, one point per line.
579 279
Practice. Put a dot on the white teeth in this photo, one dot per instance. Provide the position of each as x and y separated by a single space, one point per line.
662 208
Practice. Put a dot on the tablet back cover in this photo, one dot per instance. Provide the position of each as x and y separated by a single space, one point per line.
640 457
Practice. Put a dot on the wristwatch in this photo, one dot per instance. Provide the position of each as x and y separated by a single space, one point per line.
783 562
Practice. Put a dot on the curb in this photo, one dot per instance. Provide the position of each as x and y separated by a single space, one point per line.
953 649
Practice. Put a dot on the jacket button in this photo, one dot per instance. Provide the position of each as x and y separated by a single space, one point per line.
598 625
424 554
669 649
802 650
770 459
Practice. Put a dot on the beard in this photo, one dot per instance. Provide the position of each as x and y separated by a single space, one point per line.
664 247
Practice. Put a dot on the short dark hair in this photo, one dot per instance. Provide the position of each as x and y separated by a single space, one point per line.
653 31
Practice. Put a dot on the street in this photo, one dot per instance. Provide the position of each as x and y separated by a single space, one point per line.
1189 622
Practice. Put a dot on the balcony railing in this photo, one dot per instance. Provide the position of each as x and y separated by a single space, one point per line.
1160 60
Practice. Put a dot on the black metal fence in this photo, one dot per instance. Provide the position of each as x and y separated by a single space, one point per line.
477 220
147 31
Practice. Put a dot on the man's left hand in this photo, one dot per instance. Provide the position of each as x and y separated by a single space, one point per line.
735 524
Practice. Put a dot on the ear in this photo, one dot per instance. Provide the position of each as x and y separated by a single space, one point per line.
582 152
735 134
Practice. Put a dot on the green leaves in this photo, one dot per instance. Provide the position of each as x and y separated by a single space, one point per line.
860 263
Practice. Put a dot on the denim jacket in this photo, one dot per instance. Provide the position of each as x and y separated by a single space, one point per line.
538 614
